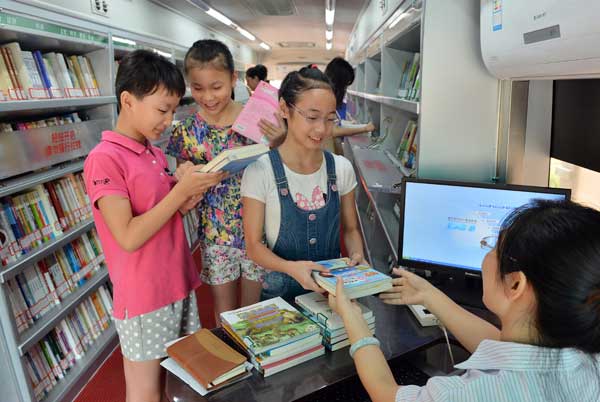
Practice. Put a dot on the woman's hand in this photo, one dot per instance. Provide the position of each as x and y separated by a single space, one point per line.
408 289
271 131
301 271
340 303
370 127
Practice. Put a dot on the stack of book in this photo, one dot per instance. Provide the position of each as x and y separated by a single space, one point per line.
359 280
205 362
275 335
316 307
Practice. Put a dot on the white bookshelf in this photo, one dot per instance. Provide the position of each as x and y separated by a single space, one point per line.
456 109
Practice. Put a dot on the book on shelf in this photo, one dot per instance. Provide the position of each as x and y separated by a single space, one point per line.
263 104
48 361
405 141
29 74
409 75
234 160
359 280
208 360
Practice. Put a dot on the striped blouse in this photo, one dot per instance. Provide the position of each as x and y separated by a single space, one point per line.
509 372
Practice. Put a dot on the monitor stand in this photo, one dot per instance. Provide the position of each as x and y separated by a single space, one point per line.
465 289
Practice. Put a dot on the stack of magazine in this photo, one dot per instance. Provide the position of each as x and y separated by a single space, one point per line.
275 335
316 307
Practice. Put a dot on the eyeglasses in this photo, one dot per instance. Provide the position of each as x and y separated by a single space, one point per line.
488 242
328 121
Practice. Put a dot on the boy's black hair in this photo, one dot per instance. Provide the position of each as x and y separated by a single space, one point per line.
208 51
143 72
258 71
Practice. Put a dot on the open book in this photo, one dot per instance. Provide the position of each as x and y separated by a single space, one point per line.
263 104
359 280
235 159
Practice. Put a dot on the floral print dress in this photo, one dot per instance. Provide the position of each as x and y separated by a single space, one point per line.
194 140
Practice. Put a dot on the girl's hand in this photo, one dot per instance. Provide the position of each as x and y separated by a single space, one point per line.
408 289
190 204
370 127
301 271
357 259
193 183
271 131
340 303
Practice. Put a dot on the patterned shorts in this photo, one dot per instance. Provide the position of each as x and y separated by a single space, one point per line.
143 337
222 264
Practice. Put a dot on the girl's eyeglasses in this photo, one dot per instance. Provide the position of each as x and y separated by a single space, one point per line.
328 121
488 242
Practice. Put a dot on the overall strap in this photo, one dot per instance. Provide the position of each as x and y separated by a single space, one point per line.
279 172
331 176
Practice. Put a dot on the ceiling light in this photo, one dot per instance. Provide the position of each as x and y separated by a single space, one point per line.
329 35
328 45
329 16
246 33
163 54
124 41
265 46
218 16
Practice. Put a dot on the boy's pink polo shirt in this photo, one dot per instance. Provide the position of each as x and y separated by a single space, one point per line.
162 271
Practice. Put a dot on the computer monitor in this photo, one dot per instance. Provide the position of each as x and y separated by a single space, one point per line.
443 223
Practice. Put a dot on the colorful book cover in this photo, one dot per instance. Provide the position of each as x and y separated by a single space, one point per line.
269 324
358 279
263 104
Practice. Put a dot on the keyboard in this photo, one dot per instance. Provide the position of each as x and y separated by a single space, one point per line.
351 389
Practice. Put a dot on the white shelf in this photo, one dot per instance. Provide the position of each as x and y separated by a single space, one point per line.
56 105
40 328
44 250
14 185
401 104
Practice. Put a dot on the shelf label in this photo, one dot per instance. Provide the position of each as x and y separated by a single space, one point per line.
63 142
74 93
19 21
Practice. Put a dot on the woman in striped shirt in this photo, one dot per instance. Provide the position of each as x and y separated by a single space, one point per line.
542 280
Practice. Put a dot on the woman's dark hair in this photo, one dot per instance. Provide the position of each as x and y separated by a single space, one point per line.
556 244
142 72
259 71
208 51
297 82
341 74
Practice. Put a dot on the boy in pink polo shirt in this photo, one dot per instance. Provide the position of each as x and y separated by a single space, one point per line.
137 211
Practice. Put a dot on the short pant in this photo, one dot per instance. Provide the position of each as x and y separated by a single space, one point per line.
222 264
143 337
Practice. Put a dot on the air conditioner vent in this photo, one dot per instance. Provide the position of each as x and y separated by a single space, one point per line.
297 44
273 8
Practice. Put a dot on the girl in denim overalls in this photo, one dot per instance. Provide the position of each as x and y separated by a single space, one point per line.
298 196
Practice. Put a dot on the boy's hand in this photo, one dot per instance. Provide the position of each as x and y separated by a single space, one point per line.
301 271
194 183
182 168
190 204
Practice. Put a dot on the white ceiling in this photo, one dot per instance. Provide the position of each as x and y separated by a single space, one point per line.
306 24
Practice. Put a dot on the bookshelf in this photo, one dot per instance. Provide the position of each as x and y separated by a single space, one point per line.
454 106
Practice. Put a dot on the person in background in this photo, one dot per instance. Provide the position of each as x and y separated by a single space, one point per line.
298 195
137 208
195 141
256 74
542 280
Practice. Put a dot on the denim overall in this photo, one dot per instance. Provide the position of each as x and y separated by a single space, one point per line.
303 235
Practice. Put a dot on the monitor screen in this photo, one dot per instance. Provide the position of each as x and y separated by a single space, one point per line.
442 224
